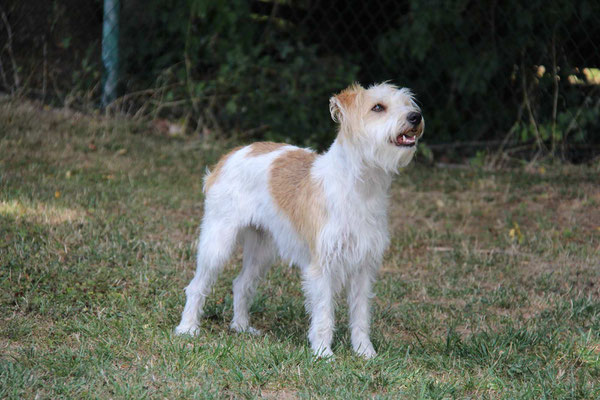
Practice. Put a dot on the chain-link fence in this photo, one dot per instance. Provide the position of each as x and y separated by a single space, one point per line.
516 78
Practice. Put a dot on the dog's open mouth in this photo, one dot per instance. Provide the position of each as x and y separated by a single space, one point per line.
405 141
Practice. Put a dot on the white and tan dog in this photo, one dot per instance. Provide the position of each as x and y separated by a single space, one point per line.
325 213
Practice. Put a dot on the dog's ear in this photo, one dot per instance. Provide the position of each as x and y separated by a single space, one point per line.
343 101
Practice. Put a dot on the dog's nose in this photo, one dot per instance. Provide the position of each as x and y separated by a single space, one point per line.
414 118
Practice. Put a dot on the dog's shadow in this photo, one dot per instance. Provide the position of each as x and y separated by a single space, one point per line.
278 307
277 310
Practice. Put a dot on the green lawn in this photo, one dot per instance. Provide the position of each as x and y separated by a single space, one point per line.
491 287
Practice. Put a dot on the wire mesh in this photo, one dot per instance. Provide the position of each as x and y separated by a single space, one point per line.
503 72
502 75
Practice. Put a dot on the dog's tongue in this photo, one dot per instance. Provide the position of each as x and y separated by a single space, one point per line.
405 140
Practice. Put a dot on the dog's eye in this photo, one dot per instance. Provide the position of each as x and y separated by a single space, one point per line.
378 108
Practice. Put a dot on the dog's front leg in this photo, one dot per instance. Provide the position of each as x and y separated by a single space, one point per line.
359 294
319 292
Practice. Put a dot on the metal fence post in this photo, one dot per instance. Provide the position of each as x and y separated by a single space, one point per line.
110 51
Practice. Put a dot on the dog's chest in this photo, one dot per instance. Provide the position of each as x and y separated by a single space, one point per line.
357 232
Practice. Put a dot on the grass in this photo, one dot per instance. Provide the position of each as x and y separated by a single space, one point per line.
490 288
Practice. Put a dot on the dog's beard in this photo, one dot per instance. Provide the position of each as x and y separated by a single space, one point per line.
387 156
379 148
390 152
391 158
384 153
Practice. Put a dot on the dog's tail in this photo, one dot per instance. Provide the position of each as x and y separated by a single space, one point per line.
207 181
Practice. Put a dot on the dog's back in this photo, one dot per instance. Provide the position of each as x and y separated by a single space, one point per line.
268 186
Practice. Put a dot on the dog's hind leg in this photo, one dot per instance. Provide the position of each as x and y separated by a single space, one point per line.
216 243
259 255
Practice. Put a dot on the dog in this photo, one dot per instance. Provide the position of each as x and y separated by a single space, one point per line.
325 213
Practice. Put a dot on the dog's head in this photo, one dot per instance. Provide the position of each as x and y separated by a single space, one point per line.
382 123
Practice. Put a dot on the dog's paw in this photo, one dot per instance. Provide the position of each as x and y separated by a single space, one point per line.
239 328
191 330
365 350
323 352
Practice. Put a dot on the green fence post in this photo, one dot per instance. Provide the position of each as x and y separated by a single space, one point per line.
110 51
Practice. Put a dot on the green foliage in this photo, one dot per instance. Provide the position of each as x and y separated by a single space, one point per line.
287 96
237 69
264 69
474 63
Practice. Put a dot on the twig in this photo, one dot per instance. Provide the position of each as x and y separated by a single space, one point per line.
3 74
555 98
44 68
270 21
254 131
160 93
532 121
129 96
188 73
156 110
517 149
452 166
11 56
167 104
57 92
208 112
573 123
507 137
458 145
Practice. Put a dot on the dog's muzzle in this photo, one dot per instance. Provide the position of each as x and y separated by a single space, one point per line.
408 137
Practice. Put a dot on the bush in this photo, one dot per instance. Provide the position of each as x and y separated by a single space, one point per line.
483 68
512 75
238 73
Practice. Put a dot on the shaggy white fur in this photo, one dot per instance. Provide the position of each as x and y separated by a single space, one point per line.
326 214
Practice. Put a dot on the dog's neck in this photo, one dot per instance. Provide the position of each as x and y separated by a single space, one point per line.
354 173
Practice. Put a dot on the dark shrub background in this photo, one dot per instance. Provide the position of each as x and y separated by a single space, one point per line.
516 76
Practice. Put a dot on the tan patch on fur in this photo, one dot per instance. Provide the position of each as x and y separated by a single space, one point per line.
212 176
345 108
347 96
343 102
260 148
297 195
